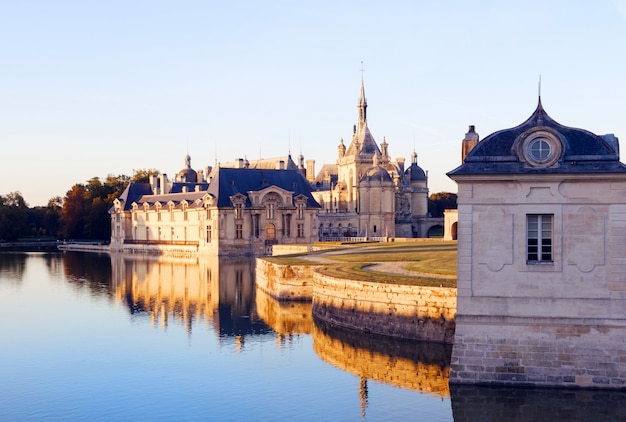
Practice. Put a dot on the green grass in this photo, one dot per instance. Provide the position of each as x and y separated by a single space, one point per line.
434 257
424 258
427 259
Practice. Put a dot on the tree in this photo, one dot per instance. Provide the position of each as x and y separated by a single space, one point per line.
85 213
438 202
13 216
73 212
143 175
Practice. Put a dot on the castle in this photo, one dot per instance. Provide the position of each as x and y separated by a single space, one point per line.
367 194
246 206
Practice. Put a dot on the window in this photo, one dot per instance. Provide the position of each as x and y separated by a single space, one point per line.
300 230
238 231
287 225
539 237
270 232
256 225
270 211
300 212
238 211
208 234
539 149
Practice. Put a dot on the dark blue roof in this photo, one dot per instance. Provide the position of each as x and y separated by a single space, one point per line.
583 151
229 181
177 187
133 192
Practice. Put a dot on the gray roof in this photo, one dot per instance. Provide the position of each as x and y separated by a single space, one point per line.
583 151
229 181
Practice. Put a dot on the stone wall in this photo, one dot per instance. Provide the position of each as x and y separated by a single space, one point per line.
411 312
539 352
285 282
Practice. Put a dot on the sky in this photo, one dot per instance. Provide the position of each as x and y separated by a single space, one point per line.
91 88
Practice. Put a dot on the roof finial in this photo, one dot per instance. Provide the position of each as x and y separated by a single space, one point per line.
362 70
539 91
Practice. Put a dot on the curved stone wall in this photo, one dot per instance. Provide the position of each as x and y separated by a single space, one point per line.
411 312
285 282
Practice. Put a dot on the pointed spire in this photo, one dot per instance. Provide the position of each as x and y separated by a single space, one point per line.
362 105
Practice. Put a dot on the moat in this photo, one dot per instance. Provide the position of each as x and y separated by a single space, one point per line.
99 337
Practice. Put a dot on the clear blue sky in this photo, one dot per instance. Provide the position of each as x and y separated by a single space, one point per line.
90 88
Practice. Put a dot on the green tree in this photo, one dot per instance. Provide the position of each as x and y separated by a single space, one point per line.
438 202
143 175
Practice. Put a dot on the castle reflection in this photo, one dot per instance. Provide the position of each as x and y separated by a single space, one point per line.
218 291
423 367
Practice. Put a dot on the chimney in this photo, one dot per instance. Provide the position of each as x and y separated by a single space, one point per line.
469 142
310 170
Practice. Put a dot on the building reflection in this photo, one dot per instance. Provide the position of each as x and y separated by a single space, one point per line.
420 366
183 291
285 318
487 404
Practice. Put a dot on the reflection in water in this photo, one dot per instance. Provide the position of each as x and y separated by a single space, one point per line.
91 270
12 266
284 317
219 291
472 403
419 366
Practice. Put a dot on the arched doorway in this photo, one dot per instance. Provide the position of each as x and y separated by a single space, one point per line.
453 231
435 231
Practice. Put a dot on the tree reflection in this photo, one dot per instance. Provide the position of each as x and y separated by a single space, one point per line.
89 270
12 266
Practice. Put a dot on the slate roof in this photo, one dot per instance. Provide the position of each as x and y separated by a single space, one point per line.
225 183
142 193
229 181
415 172
584 152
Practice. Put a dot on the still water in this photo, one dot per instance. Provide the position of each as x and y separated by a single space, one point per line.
98 337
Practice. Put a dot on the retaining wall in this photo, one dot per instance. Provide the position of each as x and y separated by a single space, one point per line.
411 312
285 282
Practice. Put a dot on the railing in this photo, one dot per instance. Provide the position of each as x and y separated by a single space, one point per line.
161 242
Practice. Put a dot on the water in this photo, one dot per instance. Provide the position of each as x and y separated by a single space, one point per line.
93 337
90 337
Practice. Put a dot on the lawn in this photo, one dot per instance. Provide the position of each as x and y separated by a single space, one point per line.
433 262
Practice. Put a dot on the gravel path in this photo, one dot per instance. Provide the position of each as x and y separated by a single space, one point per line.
397 267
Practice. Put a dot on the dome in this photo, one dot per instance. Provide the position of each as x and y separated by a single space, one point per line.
416 173
376 173
187 175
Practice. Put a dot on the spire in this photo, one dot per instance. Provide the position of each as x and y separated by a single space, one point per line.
362 105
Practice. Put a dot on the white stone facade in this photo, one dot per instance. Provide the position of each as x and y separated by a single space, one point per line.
552 315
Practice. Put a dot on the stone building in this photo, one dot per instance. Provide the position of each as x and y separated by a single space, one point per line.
542 267
366 193
238 210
